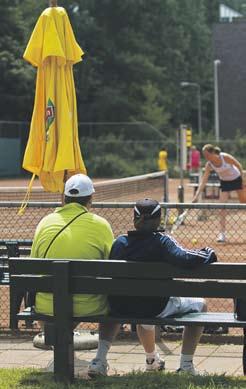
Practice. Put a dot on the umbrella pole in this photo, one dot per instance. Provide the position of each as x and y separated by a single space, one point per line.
65 177
53 3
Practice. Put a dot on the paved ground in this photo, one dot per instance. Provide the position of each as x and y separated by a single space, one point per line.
125 356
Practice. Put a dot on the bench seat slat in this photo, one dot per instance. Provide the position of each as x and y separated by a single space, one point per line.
209 318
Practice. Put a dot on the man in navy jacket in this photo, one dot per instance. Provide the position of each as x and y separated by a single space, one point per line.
140 245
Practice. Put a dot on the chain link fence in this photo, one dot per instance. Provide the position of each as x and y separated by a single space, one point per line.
199 229
114 149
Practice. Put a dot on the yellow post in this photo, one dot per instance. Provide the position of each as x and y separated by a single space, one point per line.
53 3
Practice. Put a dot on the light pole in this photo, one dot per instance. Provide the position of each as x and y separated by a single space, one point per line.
217 62
199 103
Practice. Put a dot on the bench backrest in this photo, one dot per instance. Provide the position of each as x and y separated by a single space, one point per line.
15 248
11 248
225 280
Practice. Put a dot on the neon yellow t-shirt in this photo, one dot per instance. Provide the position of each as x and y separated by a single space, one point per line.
88 237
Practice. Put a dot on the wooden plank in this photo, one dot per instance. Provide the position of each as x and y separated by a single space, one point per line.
19 242
157 270
125 287
26 315
208 318
208 185
131 269
23 265
129 287
22 251
39 283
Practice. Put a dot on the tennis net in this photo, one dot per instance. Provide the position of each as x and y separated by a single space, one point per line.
129 188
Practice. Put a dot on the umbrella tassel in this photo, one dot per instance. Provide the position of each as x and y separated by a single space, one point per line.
27 197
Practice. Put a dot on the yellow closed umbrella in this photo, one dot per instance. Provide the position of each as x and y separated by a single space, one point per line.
53 150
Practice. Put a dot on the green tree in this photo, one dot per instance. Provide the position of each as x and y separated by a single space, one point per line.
15 76
152 110
118 59
136 54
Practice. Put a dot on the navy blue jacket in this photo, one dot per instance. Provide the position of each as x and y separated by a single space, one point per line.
143 246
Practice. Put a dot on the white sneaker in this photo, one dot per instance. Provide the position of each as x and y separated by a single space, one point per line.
154 364
221 238
97 368
38 342
190 370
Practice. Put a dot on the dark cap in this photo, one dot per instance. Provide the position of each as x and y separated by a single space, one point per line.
148 208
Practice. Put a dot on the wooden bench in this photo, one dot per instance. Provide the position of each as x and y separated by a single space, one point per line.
211 190
11 248
65 277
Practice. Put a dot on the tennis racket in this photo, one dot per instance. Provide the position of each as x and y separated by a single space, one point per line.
179 220
166 218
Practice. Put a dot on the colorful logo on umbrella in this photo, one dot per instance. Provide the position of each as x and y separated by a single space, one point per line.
50 116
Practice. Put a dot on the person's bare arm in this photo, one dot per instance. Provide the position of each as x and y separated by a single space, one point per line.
233 161
203 182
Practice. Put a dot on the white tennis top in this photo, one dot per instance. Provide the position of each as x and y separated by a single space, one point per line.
227 171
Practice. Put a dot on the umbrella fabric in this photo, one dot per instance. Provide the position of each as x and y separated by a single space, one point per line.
53 150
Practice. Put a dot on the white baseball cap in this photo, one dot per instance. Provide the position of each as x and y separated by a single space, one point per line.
79 185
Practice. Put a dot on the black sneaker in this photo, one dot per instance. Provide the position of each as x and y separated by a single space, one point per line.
191 370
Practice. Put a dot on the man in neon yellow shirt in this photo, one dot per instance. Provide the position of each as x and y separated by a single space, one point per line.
74 232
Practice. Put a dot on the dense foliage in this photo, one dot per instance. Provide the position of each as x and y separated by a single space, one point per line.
136 54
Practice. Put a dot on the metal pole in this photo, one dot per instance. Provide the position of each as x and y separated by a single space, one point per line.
165 189
216 101
199 110
181 144
199 103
